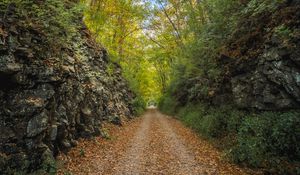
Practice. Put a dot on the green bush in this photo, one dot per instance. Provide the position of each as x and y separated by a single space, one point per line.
139 105
268 139
168 104
233 121
207 122
251 146
191 116
211 125
212 122
285 136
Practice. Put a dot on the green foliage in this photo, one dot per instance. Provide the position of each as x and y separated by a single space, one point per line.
105 134
48 166
283 32
255 7
192 116
139 105
67 173
209 25
211 125
50 169
82 152
251 141
117 24
168 104
210 122
234 120
110 69
268 139
55 19
285 135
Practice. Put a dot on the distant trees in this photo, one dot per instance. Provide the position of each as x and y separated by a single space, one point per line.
160 41
119 26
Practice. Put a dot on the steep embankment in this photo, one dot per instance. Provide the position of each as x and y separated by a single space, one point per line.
54 87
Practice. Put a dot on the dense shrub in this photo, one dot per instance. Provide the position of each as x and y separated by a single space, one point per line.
234 120
191 116
251 146
139 105
269 140
210 122
211 125
168 104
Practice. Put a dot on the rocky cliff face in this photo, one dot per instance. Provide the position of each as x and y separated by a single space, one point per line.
262 61
49 98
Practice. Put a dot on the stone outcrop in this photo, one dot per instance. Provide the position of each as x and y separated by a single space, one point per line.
262 62
273 84
49 98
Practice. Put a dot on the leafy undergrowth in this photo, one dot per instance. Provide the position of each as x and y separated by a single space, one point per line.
139 106
268 140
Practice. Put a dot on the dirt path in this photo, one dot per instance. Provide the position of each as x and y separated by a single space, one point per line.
152 144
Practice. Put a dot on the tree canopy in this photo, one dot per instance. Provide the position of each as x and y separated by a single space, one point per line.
155 40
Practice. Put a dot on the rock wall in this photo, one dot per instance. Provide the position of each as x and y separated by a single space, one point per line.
262 61
49 98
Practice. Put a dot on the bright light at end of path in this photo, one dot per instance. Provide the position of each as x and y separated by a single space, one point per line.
152 107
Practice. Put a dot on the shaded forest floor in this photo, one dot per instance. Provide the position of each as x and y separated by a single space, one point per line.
151 144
